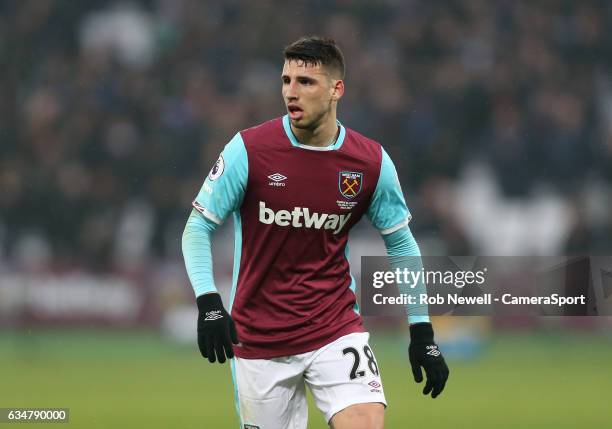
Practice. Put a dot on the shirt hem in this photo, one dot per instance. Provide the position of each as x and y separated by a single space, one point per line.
261 353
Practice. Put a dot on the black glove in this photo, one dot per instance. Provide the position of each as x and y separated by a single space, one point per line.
216 329
423 352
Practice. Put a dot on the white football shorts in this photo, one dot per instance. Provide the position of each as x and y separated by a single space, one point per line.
271 393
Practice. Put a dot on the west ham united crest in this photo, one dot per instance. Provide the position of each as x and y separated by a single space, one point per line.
349 183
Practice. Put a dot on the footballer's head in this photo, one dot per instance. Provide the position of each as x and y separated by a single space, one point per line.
313 80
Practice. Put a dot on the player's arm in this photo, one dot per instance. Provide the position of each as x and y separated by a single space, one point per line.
403 252
390 215
220 195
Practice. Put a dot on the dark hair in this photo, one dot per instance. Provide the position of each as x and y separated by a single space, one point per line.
316 50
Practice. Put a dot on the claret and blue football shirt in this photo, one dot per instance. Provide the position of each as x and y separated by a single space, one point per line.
293 207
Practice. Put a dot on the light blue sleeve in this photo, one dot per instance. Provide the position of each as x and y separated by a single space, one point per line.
404 252
224 187
388 212
197 253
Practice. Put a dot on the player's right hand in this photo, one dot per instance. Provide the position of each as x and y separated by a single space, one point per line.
216 329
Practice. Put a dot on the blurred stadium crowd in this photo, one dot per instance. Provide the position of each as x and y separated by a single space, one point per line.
498 116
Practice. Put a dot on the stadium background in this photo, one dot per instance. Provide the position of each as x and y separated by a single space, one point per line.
498 116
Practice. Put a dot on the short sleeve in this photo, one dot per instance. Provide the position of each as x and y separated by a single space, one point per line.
388 211
225 185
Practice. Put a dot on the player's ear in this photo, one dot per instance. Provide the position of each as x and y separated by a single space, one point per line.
337 89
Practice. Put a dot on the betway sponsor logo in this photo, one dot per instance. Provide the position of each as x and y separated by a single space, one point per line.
301 217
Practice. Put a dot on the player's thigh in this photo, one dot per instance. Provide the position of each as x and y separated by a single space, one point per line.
345 373
360 416
270 393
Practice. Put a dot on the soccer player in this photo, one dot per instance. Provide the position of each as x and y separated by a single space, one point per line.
295 186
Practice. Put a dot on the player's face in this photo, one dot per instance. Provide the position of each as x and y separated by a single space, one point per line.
309 92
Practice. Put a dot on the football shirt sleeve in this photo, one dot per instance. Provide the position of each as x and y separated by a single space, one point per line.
225 185
404 253
388 212
197 253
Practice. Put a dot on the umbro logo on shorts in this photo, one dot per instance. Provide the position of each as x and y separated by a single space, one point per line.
375 384
251 427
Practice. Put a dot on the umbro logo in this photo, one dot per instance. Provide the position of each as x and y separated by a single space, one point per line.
433 351
213 315
277 179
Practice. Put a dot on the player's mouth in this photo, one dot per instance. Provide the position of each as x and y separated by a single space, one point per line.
295 112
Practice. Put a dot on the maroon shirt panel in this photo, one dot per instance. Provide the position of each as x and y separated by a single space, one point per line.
293 293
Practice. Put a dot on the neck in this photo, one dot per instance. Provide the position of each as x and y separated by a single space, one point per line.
322 135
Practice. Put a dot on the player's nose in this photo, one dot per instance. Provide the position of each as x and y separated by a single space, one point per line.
290 91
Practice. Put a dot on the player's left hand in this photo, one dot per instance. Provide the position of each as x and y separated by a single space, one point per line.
216 329
423 352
